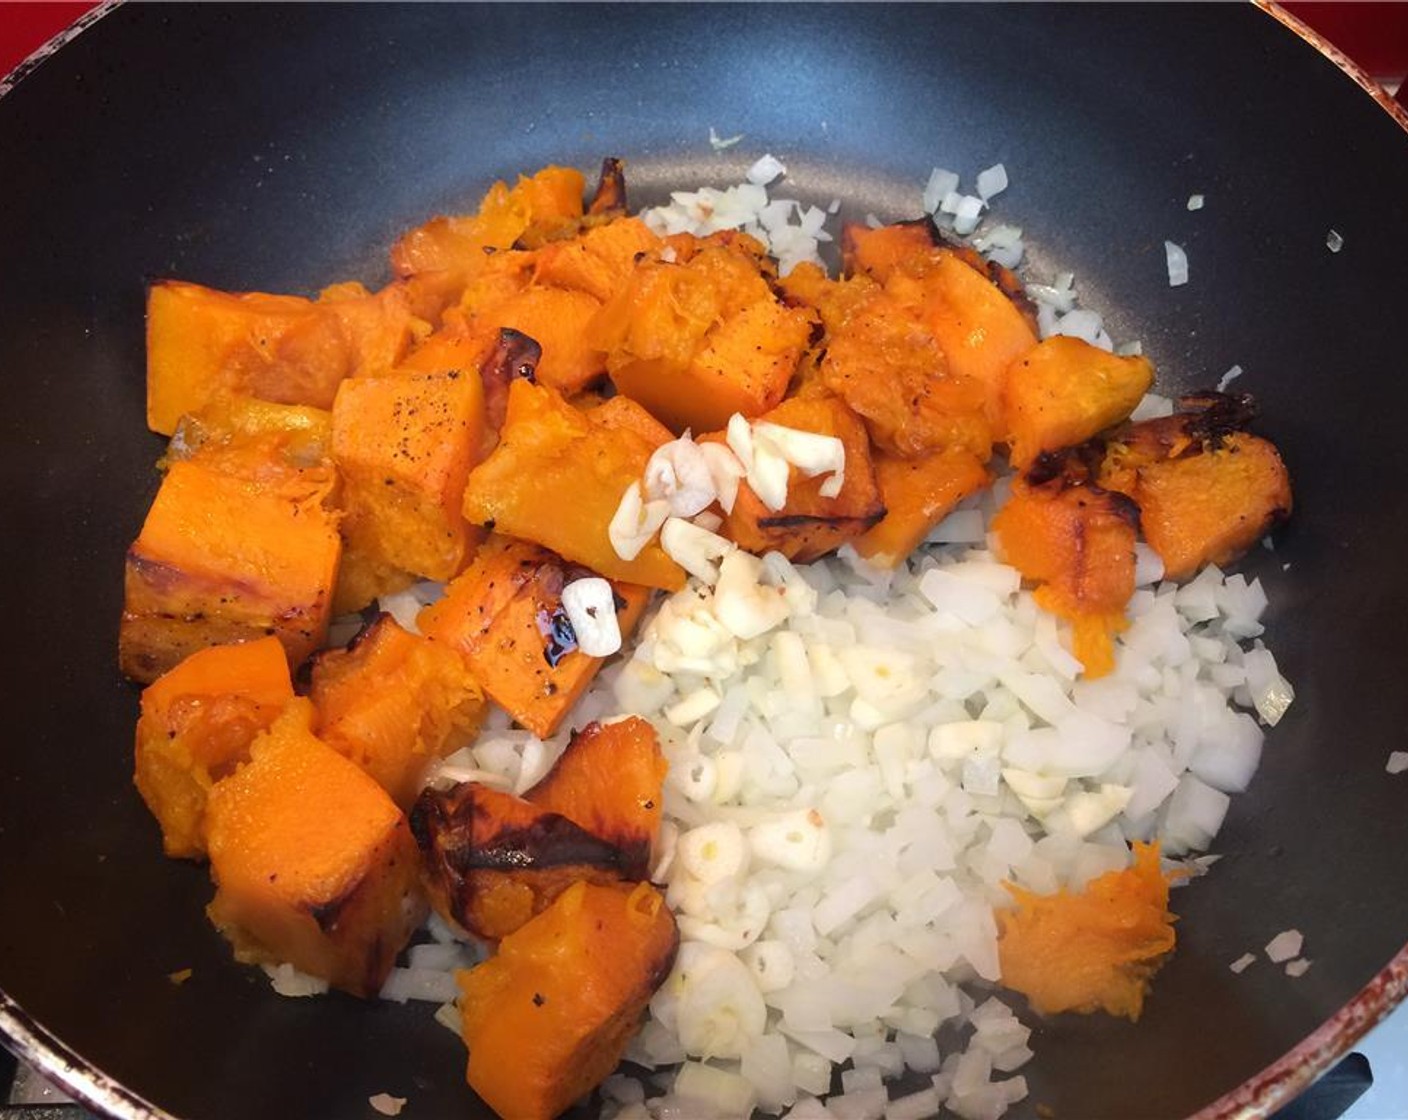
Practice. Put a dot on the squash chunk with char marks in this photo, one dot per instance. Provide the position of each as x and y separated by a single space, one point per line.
556 478
504 616
918 494
810 525
1076 542
695 340
492 860
549 1016
393 702
197 724
313 862
1207 490
610 780
1064 392
404 446
203 344
226 556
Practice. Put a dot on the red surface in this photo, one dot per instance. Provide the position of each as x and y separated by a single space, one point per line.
1373 34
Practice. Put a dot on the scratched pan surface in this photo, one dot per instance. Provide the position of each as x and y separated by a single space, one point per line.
283 147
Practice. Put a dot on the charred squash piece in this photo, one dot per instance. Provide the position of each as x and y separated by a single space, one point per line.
609 780
1076 541
700 338
393 702
881 358
535 206
548 1017
203 344
197 724
313 862
610 194
1206 490
1094 950
492 860
809 525
404 446
918 494
504 615
556 478
223 558
555 318
978 326
1064 391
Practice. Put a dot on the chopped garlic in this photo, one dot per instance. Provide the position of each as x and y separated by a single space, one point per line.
694 707
1089 811
771 963
725 471
679 474
712 852
635 522
695 549
590 605
810 452
744 606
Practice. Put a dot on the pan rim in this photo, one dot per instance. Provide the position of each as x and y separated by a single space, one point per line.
1257 1096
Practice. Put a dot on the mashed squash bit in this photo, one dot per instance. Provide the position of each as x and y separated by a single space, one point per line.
1095 950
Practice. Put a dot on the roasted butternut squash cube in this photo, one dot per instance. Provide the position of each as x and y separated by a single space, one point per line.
393 702
313 863
223 558
1064 391
197 724
1077 543
504 615
203 344
491 860
556 319
556 478
699 339
878 252
918 494
981 330
404 446
810 525
610 781
880 357
548 1017
254 439
1211 506
535 207
599 262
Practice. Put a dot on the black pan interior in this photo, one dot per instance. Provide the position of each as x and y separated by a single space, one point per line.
283 147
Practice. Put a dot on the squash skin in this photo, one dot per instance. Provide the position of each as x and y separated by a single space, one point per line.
197 723
491 861
556 478
549 1016
495 614
313 862
393 702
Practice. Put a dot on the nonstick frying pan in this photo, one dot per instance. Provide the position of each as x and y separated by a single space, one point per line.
283 147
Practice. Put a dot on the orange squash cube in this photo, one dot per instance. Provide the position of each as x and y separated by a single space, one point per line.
197 723
548 1017
918 494
556 478
313 863
556 319
809 525
404 446
223 558
393 702
697 340
599 261
504 614
1064 391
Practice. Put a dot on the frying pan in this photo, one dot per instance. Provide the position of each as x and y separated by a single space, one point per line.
283 147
